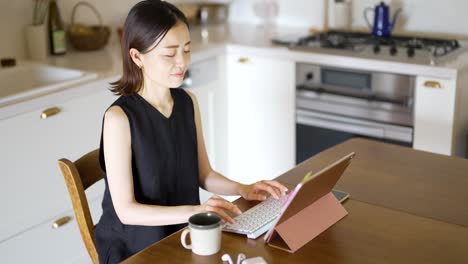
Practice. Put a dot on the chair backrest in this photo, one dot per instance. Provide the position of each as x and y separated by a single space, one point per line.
79 175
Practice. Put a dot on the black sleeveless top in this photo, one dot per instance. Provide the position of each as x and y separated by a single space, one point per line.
165 172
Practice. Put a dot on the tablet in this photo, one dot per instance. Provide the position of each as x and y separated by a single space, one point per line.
312 188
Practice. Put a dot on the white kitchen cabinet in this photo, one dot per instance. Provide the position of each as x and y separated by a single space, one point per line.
206 100
260 117
205 85
43 244
434 115
33 191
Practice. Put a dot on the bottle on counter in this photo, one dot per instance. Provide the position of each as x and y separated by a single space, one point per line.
57 39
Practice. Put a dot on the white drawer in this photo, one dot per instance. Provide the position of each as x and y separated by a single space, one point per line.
33 189
43 244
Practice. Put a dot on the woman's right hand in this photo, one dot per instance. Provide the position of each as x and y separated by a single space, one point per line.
219 205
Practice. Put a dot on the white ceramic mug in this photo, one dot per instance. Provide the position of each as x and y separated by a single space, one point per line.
205 234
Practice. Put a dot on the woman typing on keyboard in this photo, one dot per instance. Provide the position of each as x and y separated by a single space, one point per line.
152 153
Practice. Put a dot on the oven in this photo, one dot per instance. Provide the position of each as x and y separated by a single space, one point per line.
335 104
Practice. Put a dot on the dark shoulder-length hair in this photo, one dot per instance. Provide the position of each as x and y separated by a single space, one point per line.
146 22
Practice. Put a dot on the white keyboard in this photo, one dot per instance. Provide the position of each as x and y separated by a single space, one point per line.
258 219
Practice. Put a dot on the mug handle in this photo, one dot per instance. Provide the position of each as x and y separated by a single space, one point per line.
183 238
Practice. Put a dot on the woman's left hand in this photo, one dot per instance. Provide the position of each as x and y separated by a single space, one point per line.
260 189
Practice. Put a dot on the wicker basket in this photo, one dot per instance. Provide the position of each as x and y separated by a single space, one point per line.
87 37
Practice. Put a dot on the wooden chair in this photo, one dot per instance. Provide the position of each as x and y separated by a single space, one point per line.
80 175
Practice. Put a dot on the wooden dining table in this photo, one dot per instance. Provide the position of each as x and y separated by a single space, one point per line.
405 206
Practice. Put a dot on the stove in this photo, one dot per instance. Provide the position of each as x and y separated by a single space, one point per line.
429 51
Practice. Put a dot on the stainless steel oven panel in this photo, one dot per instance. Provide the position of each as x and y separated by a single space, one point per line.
338 100
389 86
304 71
355 126
354 107
393 86
346 70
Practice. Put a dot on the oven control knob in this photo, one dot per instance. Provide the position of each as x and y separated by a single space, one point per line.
309 76
393 50
410 52
376 49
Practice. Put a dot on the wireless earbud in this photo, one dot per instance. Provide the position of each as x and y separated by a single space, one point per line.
227 258
241 257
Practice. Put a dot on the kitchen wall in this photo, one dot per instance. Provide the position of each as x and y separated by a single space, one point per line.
290 12
446 17
417 15
15 15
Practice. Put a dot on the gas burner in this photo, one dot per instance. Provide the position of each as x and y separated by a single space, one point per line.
328 40
395 45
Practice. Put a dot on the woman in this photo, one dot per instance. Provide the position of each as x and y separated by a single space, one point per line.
152 151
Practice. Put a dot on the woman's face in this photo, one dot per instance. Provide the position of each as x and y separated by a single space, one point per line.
165 65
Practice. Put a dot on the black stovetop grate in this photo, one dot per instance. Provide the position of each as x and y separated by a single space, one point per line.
350 40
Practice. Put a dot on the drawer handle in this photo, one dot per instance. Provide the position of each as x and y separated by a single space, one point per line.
243 60
432 84
50 112
60 222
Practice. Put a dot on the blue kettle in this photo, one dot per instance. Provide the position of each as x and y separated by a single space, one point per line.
382 26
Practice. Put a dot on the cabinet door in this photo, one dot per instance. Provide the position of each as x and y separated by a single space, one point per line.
205 85
43 244
206 101
33 189
434 115
261 117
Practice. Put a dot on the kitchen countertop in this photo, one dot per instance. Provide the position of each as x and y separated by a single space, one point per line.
215 40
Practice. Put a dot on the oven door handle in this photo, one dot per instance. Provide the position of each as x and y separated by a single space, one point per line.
323 121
